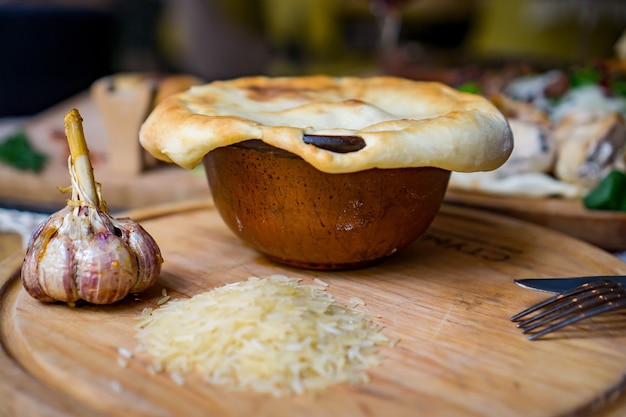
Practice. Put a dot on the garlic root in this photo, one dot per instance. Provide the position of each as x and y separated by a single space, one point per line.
83 253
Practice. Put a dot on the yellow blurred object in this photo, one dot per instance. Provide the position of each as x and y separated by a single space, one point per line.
311 24
535 29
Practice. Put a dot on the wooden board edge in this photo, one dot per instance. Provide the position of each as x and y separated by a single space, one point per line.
529 205
161 210
610 403
569 217
9 268
20 392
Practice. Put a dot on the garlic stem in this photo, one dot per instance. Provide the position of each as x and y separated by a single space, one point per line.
80 156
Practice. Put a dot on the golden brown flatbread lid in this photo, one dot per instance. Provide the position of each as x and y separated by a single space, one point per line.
403 123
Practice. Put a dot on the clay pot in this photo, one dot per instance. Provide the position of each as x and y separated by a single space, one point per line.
302 217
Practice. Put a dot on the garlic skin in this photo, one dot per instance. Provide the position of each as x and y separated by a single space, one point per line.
82 253
146 252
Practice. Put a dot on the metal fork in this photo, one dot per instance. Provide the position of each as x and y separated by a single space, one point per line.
561 310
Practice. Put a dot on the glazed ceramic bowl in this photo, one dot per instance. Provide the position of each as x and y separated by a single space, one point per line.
299 216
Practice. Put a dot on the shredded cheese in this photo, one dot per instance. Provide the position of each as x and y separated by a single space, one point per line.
269 334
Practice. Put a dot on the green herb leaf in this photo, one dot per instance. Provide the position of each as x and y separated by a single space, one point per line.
17 152
470 87
610 194
618 88
585 76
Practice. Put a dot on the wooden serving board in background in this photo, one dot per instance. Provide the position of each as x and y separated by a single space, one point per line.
163 184
603 228
448 297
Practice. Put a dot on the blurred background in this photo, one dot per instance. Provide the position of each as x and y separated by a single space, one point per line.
51 49
53 52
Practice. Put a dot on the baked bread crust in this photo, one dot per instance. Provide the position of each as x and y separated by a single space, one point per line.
403 123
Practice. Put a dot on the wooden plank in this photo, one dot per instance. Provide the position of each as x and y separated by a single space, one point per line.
448 297
603 228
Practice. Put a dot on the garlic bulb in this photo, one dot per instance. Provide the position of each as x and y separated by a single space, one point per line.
83 253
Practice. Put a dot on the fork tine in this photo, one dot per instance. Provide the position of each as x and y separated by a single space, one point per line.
562 310
620 303
567 294
580 305
568 304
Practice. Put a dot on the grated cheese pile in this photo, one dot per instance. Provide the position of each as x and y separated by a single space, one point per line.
269 334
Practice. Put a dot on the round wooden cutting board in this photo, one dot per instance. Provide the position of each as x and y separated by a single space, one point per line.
448 297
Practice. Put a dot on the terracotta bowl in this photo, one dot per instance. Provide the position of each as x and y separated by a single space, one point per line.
299 216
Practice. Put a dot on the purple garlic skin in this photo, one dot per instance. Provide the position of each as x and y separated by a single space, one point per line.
145 248
81 253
